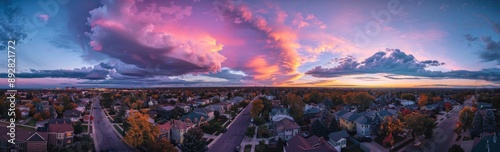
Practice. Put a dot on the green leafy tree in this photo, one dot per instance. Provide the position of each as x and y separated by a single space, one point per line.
489 123
193 141
334 126
419 124
318 129
78 128
408 96
477 122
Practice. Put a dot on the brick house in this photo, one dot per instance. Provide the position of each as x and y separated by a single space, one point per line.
60 132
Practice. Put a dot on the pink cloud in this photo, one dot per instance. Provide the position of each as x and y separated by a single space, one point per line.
153 37
301 22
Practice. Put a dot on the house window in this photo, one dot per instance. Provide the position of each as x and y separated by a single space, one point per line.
69 134
60 135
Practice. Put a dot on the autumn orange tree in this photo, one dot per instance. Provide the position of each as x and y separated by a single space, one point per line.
423 100
362 99
140 132
419 124
162 145
391 125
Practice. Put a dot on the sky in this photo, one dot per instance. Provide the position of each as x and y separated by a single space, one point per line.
204 43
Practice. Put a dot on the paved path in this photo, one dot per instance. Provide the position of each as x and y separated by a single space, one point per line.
228 141
104 132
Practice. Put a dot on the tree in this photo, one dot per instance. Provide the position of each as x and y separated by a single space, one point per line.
176 113
250 132
194 141
313 97
162 145
362 99
436 99
334 126
456 148
419 124
318 129
423 100
388 141
447 106
140 131
489 123
263 132
477 122
257 107
408 96
295 104
465 118
78 128
390 125
216 114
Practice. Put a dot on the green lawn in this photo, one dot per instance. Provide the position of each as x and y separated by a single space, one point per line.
32 122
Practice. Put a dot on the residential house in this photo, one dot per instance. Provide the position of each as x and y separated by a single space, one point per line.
206 112
279 111
165 129
338 139
60 132
406 102
179 128
183 106
313 113
227 106
486 143
430 107
168 108
311 144
80 108
216 107
275 103
285 128
25 110
347 120
202 101
339 114
363 125
195 118
26 140
130 112
73 115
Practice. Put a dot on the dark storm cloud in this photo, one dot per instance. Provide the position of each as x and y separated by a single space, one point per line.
399 63
83 73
